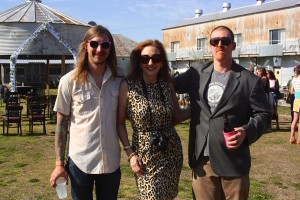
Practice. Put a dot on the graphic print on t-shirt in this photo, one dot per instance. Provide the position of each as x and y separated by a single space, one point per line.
216 88
215 92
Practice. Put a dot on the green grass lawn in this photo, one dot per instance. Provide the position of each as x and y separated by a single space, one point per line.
27 161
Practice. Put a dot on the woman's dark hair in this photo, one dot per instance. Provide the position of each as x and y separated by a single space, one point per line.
271 75
262 70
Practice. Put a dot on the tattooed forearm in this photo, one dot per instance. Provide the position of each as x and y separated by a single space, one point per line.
61 132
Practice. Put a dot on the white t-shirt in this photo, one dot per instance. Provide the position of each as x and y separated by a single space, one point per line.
296 86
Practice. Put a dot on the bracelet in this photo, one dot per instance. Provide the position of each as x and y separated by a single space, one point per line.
127 147
60 165
131 155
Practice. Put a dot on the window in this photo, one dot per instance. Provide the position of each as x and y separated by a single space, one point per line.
277 36
201 43
238 39
174 46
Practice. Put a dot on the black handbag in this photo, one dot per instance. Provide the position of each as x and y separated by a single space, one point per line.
290 98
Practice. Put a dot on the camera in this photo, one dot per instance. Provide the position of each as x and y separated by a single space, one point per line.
160 141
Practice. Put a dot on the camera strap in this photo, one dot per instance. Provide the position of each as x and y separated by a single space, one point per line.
162 98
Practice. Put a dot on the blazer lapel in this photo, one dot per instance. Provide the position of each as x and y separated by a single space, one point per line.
204 77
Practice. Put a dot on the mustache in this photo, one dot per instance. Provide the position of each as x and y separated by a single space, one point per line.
220 48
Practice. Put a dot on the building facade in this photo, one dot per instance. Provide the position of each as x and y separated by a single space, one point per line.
267 34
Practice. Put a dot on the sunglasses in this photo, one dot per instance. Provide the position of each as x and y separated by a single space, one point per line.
224 41
156 58
95 44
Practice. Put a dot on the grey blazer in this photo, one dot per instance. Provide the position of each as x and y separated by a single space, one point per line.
245 103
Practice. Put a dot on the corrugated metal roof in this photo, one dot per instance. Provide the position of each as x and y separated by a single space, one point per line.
35 11
242 11
124 45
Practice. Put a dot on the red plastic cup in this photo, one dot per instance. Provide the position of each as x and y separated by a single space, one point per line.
227 135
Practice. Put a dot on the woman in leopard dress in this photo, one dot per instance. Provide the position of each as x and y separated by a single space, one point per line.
147 98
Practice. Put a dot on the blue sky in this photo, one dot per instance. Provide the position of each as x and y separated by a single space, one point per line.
135 19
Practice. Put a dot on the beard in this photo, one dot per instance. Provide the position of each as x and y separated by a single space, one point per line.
99 60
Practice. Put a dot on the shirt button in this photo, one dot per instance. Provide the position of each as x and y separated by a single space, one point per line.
210 120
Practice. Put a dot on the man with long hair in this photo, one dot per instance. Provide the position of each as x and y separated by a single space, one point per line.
87 103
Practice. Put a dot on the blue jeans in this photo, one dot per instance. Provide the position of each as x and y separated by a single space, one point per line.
275 98
82 184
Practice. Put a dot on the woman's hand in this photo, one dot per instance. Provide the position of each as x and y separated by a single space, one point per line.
137 166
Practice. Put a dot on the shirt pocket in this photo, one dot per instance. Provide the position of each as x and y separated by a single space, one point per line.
114 94
80 97
82 102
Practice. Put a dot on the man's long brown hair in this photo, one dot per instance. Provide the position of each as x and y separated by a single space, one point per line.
82 65
136 73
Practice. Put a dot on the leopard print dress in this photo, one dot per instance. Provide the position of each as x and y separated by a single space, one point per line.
149 114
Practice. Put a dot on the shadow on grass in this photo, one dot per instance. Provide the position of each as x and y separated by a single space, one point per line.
34 134
284 126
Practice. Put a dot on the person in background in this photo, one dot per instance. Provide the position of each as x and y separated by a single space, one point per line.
220 88
273 95
274 86
262 73
250 68
87 99
291 96
148 99
295 89
6 90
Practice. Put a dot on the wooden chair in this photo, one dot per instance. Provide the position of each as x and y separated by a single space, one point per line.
35 100
51 102
36 113
13 115
12 99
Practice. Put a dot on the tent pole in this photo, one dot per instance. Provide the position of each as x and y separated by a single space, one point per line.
63 65
48 74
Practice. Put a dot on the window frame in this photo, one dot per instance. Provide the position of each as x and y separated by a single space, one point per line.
202 43
276 36
175 46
